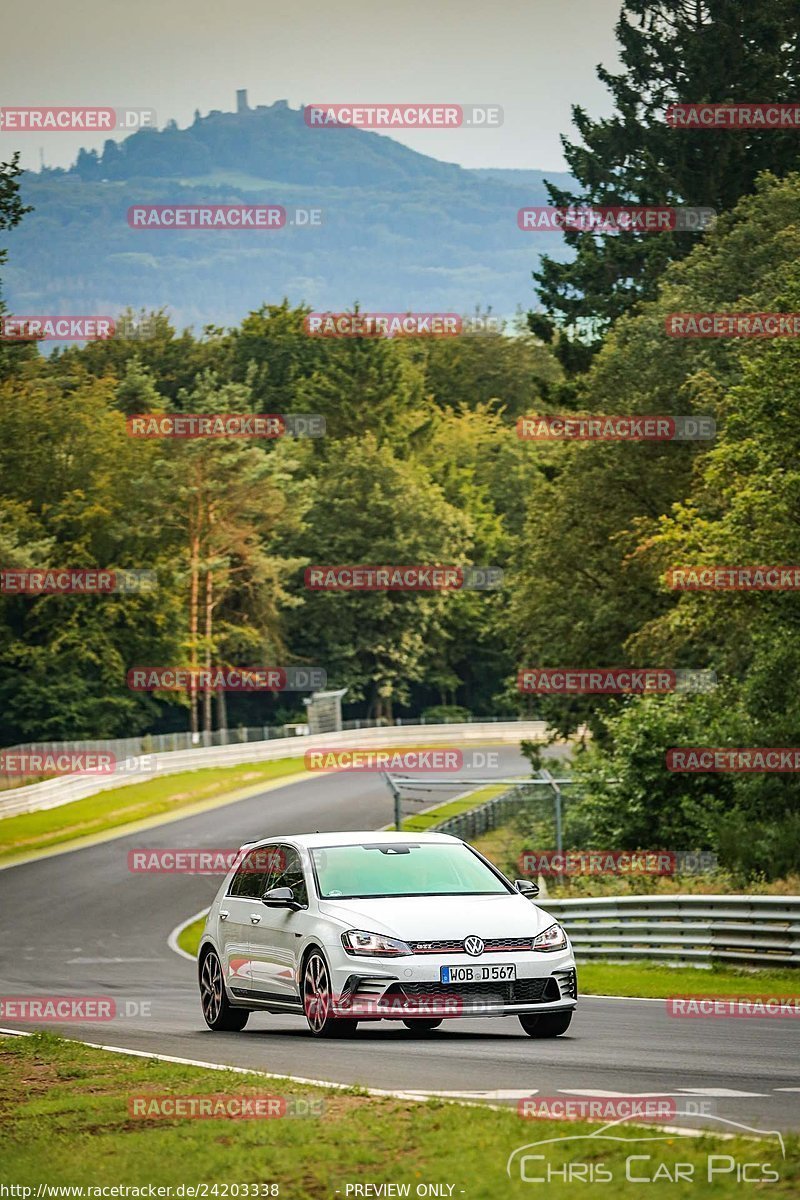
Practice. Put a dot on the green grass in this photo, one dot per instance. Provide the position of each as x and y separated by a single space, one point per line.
189 937
36 831
65 1118
655 979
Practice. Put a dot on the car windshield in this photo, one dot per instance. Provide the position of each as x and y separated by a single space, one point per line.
409 869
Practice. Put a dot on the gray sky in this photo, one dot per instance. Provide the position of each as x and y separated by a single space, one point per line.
534 58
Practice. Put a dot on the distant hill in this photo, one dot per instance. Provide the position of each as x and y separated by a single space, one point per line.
401 230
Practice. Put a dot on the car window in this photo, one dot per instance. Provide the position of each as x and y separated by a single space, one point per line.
291 874
249 879
410 869
274 859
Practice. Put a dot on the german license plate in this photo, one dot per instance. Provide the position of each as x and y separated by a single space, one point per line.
476 974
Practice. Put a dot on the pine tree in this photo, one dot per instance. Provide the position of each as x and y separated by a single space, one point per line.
713 51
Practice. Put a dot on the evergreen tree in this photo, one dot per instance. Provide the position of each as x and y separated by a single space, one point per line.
713 51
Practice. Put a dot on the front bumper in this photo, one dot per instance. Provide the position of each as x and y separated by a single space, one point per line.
410 987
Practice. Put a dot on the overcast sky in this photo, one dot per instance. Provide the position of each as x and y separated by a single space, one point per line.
534 58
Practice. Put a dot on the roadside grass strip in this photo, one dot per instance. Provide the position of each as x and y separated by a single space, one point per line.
69 1118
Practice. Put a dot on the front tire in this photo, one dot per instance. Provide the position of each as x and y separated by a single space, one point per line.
318 1001
218 1012
548 1025
422 1024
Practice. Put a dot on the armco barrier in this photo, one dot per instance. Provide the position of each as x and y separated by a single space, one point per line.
54 792
763 930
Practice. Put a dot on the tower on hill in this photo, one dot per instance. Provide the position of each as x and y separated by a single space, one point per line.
241 101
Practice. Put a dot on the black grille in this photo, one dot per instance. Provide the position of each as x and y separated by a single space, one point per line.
512 991
568 982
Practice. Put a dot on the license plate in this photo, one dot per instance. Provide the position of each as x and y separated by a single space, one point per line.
477 974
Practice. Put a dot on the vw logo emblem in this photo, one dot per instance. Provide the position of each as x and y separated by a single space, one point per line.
473 945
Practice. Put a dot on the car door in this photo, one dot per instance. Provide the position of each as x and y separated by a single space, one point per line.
235 915
276 937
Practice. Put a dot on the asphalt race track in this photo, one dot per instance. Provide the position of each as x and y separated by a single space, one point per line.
80 923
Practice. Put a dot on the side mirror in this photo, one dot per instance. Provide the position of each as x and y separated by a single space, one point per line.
280 897
524 887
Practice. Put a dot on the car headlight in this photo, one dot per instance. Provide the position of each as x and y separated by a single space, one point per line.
358 941
552 938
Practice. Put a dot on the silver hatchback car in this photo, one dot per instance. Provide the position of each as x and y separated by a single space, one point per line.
349 927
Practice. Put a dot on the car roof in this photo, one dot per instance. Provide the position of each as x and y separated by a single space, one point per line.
354 838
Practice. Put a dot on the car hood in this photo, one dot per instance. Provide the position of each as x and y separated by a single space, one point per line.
435 918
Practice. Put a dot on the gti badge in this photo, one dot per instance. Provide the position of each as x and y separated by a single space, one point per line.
473 945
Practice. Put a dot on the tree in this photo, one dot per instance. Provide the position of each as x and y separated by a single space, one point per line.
372 507
715 51
76 492
12 210
581 588
228 500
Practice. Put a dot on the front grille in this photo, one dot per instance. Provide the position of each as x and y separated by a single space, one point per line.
490 945
507 991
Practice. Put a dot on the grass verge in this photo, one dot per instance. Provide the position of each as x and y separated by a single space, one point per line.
189 936
37 831
67 1121
655 979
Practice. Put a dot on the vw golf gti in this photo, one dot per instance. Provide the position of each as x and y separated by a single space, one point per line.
349 927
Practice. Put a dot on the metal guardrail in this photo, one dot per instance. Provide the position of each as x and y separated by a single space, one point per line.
166 743
54 792
763 930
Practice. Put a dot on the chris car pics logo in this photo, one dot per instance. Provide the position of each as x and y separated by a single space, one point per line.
613 1153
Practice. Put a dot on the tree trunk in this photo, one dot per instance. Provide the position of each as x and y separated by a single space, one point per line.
207 695
222 716
194 584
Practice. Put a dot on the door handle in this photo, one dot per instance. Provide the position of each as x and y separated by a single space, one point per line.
254 918
223 914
